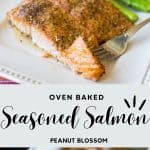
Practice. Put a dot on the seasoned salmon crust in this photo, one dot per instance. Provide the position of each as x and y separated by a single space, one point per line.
70 29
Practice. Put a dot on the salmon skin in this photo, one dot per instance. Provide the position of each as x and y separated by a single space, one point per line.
70 29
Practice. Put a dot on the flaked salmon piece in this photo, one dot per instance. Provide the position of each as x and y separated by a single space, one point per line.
72 31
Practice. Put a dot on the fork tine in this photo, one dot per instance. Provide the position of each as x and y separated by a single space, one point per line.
100 52
107 56
98 49
104 56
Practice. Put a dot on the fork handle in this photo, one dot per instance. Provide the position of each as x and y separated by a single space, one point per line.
137 27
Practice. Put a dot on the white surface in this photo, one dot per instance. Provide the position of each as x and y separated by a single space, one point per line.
23 57
146 80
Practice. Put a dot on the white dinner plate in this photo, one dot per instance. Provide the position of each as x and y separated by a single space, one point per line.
22 62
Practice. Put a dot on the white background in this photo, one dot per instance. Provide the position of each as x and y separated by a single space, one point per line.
27 99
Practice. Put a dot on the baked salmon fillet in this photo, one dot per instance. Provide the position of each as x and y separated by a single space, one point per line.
70 29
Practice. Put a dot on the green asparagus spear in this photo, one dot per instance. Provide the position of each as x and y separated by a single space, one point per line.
131 16
142 5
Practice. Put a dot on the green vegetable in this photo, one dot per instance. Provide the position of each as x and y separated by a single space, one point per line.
131 16
142 5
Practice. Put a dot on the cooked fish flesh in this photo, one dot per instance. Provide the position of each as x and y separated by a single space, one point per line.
70 29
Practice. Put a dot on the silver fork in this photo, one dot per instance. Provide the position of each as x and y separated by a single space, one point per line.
117 46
